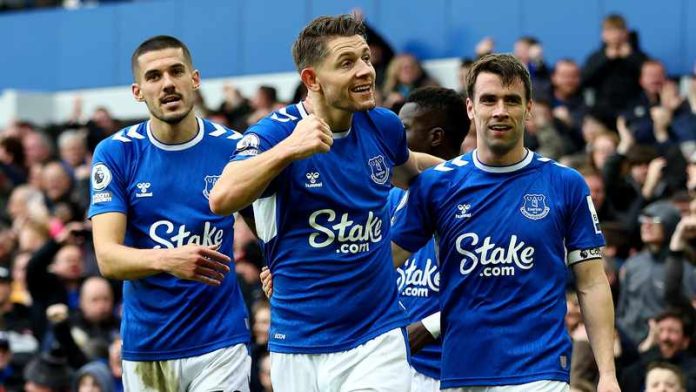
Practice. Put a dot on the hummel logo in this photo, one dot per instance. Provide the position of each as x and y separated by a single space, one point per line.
143 187
463 211
312 178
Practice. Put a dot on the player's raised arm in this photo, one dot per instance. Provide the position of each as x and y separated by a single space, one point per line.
117 261
244 181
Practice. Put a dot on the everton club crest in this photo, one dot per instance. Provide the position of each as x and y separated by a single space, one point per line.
534 206
379 170
209 184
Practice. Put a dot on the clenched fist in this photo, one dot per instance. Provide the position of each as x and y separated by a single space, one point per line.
312 135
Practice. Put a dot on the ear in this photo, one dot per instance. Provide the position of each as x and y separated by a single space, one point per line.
437 136
137 93
309 78
470 108
196 75
528 110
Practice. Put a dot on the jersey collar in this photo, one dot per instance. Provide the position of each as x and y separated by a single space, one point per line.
504 169
177 147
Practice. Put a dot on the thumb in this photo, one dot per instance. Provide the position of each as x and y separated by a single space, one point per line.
317 101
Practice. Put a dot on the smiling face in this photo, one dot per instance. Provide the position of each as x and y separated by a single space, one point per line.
499 112
346 76
166 81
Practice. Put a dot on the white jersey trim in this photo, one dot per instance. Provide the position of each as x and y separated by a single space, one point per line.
265 217
503 169
176 147
579 255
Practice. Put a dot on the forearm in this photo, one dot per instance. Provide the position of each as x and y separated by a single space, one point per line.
424 161
121 262
242 182
598 314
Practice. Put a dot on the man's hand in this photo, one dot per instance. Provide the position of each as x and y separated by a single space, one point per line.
418 336
194 262
267 282
312 135
608 383
685 231
57 313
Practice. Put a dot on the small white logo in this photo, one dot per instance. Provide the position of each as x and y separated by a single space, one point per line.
210 182
534 206
379 170
463 211
312 180
101 177
593 214
143 189
101 197
249 145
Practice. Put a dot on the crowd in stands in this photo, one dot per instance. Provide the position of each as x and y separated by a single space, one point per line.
618 118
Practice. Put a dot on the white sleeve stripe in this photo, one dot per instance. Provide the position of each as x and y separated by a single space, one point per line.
265 217
577 256
432 324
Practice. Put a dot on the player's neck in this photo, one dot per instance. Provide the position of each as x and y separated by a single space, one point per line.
491 158
178 133
338 120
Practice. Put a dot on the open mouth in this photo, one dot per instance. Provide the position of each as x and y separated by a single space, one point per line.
362 89
170 100
500 127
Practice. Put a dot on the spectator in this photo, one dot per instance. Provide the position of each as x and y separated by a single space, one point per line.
47 372
664 377
54 274
613 70
671 335
404 74
567 102
643 275
93 377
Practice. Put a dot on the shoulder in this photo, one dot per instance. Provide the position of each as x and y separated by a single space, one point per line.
438 177
559 171
281 121
384 118
219 134
121 142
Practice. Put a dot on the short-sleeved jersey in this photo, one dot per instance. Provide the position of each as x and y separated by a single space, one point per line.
418 280
324 223
506 236
163 190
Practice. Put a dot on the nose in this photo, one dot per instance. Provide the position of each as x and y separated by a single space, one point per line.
364 69
167 81
500 109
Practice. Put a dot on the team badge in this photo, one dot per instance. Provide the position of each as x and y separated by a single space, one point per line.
534 206
379 169
101 177
209 184
249 145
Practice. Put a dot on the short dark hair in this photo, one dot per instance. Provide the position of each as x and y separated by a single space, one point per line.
450 104
158 43
310 46
505 65
684 318
615 21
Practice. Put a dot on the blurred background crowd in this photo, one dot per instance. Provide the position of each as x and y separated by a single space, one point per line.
626 125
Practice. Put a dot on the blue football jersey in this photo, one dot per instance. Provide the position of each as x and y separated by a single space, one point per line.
418 280
324 223
163 190
506 236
